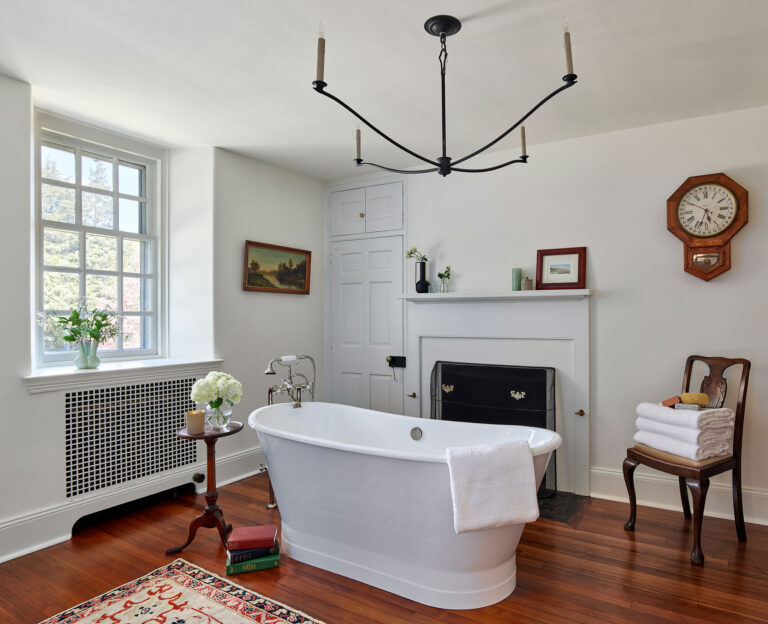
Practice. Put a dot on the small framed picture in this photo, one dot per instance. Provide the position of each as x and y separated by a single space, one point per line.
561 268
273 268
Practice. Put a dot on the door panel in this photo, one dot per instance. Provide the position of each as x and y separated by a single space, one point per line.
367 322
348 212
384 207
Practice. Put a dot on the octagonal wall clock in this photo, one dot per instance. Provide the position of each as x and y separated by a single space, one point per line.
705 212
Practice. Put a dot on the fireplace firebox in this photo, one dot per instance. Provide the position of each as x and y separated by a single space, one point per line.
499 395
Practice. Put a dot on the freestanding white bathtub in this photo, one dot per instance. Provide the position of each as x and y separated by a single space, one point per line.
359 497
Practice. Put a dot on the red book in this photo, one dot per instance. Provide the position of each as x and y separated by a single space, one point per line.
242 538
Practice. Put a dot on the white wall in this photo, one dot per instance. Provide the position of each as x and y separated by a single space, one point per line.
258 202
190 266
609 192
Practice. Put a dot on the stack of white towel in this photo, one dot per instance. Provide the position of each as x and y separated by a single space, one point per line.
693 434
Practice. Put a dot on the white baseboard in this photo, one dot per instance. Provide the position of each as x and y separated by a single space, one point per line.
29 532
657 489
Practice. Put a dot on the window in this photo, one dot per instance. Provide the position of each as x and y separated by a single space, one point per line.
97 240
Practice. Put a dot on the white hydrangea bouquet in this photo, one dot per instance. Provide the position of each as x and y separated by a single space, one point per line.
218 392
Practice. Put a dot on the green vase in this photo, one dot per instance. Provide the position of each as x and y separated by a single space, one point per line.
86 355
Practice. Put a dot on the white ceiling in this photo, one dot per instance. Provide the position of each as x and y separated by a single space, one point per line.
237 73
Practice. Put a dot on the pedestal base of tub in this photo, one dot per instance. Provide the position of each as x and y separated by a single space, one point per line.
495 584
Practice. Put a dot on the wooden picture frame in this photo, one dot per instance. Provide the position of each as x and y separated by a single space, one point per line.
277 269
561 268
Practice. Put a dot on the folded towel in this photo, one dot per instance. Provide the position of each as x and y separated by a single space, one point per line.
686 418
677 447
492 485
685 434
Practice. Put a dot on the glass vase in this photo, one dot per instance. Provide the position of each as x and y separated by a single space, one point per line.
422 285
86 355
444 285
218 417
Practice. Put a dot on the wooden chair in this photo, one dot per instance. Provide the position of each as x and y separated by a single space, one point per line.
695 475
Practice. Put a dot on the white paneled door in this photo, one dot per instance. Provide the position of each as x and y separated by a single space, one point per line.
367 325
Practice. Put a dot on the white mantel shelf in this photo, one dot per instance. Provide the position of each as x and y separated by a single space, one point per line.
580 293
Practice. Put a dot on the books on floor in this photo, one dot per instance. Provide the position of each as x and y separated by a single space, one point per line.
252 548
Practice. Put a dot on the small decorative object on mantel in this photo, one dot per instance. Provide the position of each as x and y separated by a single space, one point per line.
422 285
277 269
561 268
517 278
527 283
217 392
444 278
705 212
87 329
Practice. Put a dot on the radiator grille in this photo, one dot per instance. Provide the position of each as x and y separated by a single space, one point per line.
119 434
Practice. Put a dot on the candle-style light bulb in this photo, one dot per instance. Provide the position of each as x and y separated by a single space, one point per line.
522 141
320 53
567 45
357 144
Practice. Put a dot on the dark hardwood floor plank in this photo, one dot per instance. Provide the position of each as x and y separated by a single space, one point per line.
585 571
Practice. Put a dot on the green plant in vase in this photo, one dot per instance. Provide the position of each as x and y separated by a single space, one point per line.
444 278
422 285
88 329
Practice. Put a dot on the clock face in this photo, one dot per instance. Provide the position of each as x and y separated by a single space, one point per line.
707 210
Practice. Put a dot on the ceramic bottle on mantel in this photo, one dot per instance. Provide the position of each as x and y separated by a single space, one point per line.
422 285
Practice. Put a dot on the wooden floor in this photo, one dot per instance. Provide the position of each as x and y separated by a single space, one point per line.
590 570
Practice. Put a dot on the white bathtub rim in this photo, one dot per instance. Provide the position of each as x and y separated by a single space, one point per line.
417 592
253 421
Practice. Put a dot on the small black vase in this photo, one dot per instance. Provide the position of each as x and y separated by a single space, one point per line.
422 285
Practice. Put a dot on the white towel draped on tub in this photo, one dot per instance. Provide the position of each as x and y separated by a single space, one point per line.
492 485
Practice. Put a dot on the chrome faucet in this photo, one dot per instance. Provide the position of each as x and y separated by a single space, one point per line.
295 383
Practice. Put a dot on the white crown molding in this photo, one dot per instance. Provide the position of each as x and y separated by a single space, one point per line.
116 373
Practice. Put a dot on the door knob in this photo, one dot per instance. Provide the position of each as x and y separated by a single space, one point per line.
362 214
412 395
389 358
580 413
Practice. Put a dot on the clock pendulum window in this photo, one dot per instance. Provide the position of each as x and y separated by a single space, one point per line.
705 212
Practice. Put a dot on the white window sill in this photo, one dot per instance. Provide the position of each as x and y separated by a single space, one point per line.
56 378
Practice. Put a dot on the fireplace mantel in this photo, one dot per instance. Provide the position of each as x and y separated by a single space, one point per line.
522 328
499 296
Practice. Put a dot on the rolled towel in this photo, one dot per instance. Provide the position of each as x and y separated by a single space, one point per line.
677 447
686 418
686 434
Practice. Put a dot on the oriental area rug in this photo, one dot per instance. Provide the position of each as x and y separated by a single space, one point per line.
181 593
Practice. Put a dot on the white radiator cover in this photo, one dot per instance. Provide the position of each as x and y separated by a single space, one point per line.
115 435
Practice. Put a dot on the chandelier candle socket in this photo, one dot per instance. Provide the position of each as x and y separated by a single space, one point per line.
442 26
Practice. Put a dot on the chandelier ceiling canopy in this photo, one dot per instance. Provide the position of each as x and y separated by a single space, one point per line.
442 26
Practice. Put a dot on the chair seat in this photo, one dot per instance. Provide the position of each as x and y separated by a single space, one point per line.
677 459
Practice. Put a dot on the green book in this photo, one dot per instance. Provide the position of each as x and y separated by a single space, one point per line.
262 563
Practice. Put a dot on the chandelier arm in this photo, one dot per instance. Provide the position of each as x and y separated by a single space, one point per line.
320 88
570 81
360 162
522 159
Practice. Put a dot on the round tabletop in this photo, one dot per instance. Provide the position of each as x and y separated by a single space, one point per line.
231 428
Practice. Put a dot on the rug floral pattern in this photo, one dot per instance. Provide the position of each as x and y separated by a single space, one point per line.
181 593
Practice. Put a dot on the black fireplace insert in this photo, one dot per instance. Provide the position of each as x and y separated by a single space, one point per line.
497 394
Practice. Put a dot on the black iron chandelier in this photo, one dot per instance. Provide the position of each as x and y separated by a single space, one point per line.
442 26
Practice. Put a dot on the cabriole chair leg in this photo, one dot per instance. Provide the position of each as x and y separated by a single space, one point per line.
629 471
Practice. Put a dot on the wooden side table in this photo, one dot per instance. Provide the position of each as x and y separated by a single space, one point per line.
211 516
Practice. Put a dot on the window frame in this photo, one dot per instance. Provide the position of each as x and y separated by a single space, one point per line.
87 140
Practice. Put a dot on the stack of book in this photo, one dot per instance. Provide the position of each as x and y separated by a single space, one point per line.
252 548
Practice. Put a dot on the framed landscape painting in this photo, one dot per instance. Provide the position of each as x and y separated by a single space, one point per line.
561 268
273 268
